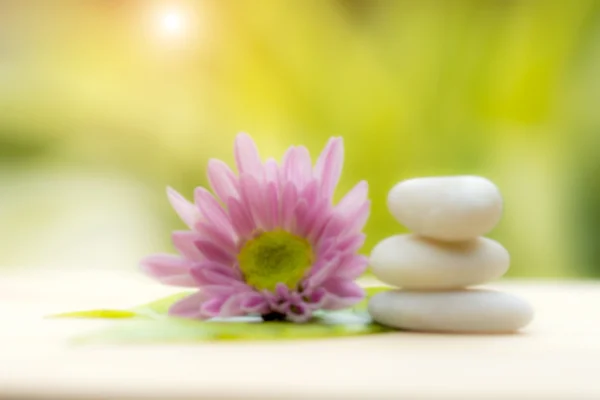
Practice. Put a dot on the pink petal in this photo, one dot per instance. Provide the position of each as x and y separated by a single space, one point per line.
218 236
281 306
334 228
310 217
299 218
353 200
246 156
252 195
310 193
287 164
184 243
289 202
342 293
315 300
282 291
340 224
323 270
222 180
352 243
272 206
211 291
188 307
317 220
212 308
326 246
359 219
297 166
304 171
271 297
298 313
215 277
212 252
253 302
168 269
272 170
232 306
188 212
294 297
242 221
212 211
351 267
329 166
211 273
316 235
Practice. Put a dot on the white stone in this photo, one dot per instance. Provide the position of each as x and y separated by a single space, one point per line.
415 262
466 311
451 208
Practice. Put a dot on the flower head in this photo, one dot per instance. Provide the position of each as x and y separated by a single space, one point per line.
271 242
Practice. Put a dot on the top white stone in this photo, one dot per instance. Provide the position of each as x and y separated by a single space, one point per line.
452 208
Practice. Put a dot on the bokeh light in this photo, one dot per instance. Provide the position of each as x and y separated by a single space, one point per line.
172 22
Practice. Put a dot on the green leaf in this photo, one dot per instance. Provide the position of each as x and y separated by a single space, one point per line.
149 323
176 330
155 309
161 306
105 314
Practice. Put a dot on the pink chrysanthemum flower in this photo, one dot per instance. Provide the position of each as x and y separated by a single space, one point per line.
272 243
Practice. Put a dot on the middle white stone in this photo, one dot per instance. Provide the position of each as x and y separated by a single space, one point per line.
414 262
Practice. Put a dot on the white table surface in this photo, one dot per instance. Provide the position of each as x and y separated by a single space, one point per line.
556 357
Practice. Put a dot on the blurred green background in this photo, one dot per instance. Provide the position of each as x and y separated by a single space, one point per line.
105 102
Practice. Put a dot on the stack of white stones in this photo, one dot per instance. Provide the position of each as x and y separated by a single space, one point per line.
446 254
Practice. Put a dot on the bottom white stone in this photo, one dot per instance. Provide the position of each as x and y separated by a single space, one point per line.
466 311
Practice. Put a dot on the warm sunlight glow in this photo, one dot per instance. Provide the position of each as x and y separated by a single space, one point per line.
172 22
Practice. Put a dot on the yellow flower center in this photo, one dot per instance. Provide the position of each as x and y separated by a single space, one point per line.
275 257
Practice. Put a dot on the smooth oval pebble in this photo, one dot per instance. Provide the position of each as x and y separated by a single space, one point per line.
415 262
466 311
451 208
